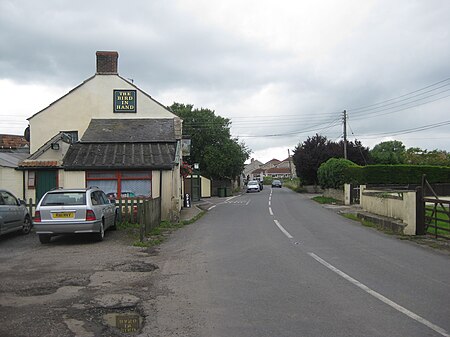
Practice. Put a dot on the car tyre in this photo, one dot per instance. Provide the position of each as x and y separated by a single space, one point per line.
101 234
26 229
45 238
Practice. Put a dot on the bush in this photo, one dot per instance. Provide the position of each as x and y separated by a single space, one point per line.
396 174
331 174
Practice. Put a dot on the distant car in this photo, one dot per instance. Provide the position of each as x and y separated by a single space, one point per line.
14 214
253 186
277 183
68 211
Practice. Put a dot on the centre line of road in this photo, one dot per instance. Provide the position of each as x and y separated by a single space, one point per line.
382 298
270 211
285 232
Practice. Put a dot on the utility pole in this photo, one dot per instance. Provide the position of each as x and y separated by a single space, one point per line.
290 167
345 134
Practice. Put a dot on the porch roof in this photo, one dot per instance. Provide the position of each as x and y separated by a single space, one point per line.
86 156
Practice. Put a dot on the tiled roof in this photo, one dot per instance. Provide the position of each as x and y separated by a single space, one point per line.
279 170
39 163
257 171
84 156
12 142
130 130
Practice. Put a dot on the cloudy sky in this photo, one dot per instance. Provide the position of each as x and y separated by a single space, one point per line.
282 71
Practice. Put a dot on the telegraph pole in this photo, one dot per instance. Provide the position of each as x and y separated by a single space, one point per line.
345 134
290 167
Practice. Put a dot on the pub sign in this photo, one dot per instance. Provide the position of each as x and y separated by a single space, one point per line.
125 101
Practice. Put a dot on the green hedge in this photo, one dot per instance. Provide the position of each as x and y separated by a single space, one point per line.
396 174
331 174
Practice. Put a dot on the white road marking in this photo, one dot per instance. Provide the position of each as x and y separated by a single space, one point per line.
270 211
382 298
211 207
270 203
248 202
285 232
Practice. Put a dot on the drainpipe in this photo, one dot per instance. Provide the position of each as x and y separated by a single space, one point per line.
23 185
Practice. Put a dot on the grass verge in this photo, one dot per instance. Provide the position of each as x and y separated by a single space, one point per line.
158 234
326 200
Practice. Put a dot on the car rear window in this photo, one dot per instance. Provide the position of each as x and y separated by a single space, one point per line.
64 198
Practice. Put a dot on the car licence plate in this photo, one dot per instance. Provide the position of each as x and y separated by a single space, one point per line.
63 215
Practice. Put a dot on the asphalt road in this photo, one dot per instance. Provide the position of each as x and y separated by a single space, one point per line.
276 263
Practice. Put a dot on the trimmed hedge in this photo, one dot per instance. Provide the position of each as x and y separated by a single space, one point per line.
396 174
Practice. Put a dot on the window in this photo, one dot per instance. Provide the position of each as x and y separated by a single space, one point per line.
124 184
9 199
31 179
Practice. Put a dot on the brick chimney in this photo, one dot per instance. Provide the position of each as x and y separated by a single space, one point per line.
107 62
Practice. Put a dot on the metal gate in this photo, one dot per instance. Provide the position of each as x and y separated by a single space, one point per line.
435 212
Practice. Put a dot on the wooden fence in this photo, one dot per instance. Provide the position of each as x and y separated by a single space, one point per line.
146 212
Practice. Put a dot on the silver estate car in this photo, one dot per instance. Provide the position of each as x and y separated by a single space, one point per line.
253 186
14 214
68 211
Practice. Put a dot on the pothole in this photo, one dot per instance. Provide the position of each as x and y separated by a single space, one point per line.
135 266
128 322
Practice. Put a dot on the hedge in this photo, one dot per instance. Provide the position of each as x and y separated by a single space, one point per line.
331 174
396 174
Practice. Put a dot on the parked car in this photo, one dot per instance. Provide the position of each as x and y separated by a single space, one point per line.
277 183
68 211
253 186
14 215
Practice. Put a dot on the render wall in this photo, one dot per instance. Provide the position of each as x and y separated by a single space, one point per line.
12 180
398 205
92 99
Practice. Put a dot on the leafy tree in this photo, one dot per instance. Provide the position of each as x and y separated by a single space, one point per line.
310 154
417 156
388 153
219 155
356 152
316 150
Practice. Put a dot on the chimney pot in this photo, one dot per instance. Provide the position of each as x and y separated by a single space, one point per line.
107 62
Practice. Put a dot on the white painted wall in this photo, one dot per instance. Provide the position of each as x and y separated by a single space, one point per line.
12 180
403 209
92 99
72 179
206 187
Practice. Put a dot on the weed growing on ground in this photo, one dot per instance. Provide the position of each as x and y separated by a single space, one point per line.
158 234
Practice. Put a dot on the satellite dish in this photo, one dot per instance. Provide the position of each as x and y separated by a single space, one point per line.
26 134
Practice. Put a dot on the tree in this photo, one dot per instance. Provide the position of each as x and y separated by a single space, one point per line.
331 174
417 156
356 152
388 153
309 155
218 154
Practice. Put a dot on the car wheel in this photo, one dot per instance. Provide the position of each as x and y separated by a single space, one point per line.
26 229
101 234
44 238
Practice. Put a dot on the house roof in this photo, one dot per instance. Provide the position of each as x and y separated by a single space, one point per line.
279 170
12 141
130 131
12 159
39 163
272 161
84 156
258 170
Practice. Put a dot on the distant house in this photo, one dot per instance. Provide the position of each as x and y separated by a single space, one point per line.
279 172
249 168
13 142
13 149
109 133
